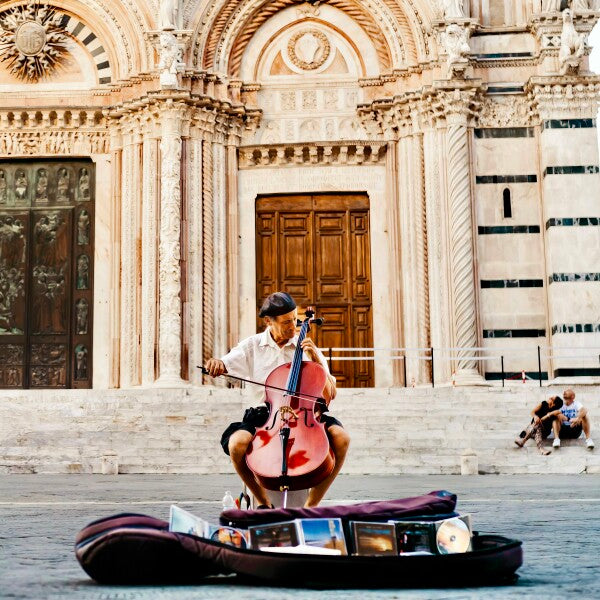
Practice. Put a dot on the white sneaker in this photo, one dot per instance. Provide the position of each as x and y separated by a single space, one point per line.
589 443
556 443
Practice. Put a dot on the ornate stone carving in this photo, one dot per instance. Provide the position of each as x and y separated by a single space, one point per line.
169 14
455 40
505 111
308 49
12 285
21 185
337 153
169 346
171 60
551 6
564 97
34 143
452 9
33 43
572 46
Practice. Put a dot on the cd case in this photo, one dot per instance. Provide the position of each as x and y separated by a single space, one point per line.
314 533
447 536
182 521
373 539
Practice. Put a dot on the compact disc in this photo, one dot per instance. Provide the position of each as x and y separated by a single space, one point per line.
453 536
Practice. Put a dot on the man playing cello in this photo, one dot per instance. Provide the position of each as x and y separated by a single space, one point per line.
254 358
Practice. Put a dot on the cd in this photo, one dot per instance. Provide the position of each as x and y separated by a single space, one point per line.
453 536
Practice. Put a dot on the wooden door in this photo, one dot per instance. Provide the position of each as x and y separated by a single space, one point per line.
46 272
317 249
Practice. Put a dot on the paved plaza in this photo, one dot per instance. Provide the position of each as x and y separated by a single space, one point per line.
556 517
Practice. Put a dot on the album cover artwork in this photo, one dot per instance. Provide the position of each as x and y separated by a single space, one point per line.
323 533
277 535
446 536
372 539
227 535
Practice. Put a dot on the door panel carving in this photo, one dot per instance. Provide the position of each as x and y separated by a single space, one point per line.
46 273
317 248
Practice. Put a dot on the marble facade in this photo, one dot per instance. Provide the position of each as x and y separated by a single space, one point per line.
191 109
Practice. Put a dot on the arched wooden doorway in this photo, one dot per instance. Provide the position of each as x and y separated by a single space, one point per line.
317 248
46 273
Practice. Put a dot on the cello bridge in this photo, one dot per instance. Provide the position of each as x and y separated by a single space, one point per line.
287 412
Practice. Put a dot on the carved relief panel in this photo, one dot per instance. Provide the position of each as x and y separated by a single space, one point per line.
46 274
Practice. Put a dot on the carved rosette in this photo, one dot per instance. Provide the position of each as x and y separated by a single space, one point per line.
170 246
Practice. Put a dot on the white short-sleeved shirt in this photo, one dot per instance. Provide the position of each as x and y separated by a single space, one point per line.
571 411
255 357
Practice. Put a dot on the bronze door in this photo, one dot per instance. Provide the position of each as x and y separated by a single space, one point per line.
46 274
317 248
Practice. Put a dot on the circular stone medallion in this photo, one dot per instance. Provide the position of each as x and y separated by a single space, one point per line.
309 49
30 38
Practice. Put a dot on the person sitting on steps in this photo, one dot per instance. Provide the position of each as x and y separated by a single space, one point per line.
573 418
543 416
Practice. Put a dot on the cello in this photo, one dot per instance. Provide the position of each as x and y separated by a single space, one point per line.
291 451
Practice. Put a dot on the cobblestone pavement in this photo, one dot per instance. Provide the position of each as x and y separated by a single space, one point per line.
555 516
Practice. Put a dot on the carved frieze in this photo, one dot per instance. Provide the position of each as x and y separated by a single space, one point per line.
564 97
505 111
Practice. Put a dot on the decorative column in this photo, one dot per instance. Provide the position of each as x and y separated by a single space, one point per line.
458 103
116 160
130 232
170 323
150 208
438 268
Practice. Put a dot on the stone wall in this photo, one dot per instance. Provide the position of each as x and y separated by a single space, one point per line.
394 430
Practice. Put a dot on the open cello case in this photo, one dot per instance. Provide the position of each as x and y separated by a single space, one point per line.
137 549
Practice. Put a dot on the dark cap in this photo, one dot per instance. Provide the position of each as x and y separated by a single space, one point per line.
277 304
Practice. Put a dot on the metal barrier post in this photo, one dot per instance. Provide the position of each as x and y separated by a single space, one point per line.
432 370
404 369
540 366
502 367
330 360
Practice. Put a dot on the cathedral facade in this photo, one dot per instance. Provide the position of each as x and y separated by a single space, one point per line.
424 173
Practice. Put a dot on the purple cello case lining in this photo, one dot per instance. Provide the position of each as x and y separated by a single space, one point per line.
434 503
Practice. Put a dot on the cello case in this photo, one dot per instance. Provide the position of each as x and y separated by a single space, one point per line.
137 549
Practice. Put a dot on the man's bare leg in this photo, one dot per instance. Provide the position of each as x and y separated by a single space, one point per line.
585 425
339 441
238 444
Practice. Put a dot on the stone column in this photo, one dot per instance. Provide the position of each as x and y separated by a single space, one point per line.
569 170
208 252
150 208
233 242
437 248
195 259
457 108
170 322
129 252
116 160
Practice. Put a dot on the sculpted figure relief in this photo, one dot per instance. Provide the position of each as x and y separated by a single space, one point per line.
3 187
84 184
62 186
41 188
572 45
578 5
453 9
169 11
21 185
171 60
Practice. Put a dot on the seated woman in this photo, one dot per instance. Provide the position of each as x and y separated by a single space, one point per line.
541 423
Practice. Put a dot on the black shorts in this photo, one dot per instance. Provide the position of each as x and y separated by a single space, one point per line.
257 417
569 433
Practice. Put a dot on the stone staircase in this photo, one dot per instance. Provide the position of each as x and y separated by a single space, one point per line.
394 431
